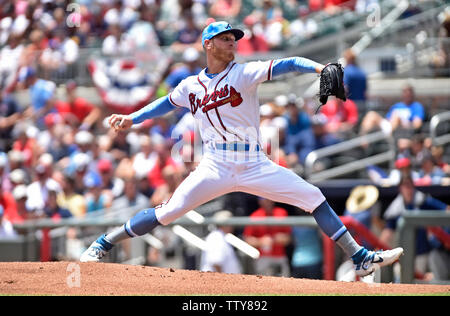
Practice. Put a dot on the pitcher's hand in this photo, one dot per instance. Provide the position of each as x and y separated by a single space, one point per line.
120 122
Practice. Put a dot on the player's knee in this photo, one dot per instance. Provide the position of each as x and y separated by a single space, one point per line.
315 195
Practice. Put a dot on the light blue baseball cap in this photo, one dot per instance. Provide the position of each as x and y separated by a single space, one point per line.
220 27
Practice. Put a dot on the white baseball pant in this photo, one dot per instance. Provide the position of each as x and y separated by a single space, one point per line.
216 176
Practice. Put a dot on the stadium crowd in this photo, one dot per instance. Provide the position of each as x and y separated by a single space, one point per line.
59 159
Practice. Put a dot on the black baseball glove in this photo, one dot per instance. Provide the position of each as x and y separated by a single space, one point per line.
331 83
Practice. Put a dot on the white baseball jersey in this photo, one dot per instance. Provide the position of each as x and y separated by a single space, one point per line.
226 109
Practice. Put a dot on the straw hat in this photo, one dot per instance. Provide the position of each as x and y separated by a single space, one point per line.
221 216
362 198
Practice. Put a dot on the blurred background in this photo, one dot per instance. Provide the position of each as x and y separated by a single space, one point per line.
381 158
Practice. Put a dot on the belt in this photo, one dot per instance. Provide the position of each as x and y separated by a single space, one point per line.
236 146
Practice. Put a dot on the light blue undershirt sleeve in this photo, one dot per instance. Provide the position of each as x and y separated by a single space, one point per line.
156 108
293 64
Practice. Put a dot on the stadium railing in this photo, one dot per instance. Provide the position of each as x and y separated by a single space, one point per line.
406 235
387 156
353 166
436 120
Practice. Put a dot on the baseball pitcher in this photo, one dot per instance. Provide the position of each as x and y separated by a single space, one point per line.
223 100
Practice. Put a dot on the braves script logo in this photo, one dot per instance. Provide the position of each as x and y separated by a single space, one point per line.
218 98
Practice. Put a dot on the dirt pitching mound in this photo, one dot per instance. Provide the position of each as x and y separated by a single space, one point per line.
74 278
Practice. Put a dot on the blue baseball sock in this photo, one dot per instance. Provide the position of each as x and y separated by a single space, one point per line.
140 224
104 242
359 256
328 221
333 227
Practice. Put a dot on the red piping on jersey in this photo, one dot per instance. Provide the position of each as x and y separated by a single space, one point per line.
209 119
207 115
215 88
217 111
171 101
204 87
269 77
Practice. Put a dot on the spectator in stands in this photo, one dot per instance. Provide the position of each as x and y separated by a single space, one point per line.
4 172
298 119
171 180
403 167
188 35
77 111
52 209
329 6
143 186
33 50
163 160
6 227
143 32
111 185
414 148
311 139
189 68
116 44
268 131
273 24
271 241
18 177
8 204
37 191
303 27
22 212
52 140
80 170
163 129
24 144
41 94
120 148
407 115
410 199
9 114
10 55
430 173
440 60
291 9
355 81
219 255
342 117
122 13
68 198
438 154
228 9
253 41
96 200
131 197
145 158
62 52
16 161
84 141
